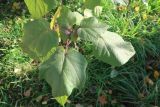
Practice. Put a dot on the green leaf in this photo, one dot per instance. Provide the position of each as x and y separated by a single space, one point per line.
39 8
66 21
64 71
91 4
90 29
68 18
107 46
38 39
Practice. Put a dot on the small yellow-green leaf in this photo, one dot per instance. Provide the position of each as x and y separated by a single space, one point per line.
62 100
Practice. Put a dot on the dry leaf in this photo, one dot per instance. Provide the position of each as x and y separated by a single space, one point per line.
79 105
147 80
28 92
44 102
156 74
141 95
39 98
144 16
136 8
17 70
16 6
149 68
102 99
110 91
121 8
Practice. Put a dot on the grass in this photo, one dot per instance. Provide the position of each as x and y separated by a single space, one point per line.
133 84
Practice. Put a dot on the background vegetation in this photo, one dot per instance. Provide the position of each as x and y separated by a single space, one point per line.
136 84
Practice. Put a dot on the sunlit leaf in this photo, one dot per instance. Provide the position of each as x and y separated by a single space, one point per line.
62 100
64 71
39 8
107 46
88 13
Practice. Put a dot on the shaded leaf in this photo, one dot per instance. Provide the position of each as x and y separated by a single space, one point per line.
114 73
66 21
68 18
38 39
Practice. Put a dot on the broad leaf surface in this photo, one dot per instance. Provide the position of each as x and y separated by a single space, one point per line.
38 39
39 8
66 21
68 18
64 72
107 46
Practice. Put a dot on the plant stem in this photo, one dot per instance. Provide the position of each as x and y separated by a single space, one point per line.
67 45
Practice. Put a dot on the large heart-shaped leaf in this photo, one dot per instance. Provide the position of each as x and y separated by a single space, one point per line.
38 39
39 8
64 71
108 46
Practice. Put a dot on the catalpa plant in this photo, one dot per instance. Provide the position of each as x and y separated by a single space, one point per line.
54 44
